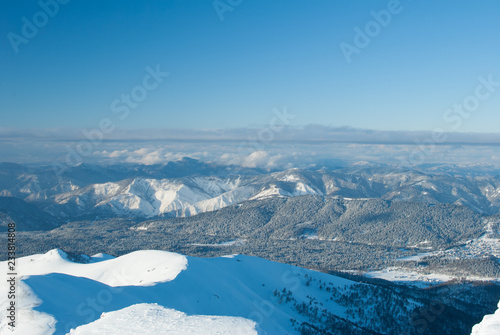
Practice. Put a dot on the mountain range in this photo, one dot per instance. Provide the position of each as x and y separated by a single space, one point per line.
189 187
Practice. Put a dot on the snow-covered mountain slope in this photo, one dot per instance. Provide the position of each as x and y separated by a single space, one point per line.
489 326
127 270
152 197
148 290
157 320
179 197
41 182
192 195
73 294
91 191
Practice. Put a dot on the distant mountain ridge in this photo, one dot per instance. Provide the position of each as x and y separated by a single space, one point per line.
189 187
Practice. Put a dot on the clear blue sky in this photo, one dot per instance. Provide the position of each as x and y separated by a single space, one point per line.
264 54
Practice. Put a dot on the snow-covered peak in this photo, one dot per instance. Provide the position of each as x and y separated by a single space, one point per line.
56 255
212 292
139 268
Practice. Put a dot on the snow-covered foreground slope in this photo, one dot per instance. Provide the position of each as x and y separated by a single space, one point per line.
133 269
143 291
489 326
157 320
57 295
142 268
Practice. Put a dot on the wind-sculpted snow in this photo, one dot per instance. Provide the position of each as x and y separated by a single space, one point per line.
157 320
139 268
74 294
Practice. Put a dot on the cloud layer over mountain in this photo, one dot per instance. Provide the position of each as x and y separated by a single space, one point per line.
267 147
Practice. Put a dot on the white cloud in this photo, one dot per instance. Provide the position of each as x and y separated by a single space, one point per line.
255 159
117 153
298 151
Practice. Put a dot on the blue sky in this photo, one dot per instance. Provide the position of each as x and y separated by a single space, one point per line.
263 55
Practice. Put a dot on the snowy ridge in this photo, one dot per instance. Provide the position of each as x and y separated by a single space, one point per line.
130 269
144 193
151 197
181 197
157 320
59 295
